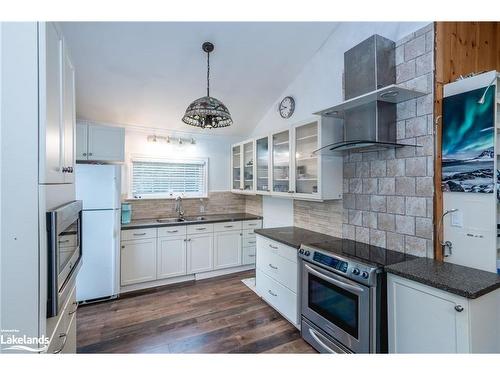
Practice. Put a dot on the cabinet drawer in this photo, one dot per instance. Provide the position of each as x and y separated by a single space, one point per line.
252 224
230 225
248 255
177 230
280 269
65 317
265 244
248 233
137 234
281 298
249 241
200 228
67 241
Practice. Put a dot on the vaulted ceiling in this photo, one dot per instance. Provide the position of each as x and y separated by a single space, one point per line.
146 73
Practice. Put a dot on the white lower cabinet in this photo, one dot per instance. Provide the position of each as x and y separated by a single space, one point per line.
423 319
149 256
171 259
138 261
227 246
200 252
277 277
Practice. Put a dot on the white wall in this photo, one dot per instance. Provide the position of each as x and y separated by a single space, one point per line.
215 148
319 84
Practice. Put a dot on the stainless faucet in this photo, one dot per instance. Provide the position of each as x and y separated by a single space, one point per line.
178 207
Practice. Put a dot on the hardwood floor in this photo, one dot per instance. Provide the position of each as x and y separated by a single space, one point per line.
218 315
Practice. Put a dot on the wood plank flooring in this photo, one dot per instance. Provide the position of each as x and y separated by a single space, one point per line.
219 315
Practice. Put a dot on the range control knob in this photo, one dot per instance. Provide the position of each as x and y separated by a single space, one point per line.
364 275
355 271
307 253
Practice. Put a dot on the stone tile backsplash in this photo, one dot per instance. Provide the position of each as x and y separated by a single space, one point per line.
220 202
388 194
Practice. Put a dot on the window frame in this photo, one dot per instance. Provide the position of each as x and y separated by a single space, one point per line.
155 159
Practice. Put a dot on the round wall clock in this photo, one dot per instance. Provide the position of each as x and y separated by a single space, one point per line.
287 107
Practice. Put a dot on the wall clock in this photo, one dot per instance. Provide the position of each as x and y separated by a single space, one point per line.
287 107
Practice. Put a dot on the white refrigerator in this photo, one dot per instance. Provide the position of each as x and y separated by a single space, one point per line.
98 186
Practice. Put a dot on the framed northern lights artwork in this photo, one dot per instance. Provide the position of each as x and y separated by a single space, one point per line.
468 142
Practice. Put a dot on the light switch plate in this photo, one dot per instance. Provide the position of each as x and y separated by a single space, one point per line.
457 219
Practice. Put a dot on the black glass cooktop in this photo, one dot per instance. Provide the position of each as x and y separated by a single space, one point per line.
362 252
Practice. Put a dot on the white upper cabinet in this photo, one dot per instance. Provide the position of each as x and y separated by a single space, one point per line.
100 143
57 107
262 170
69 117
285 164
236 163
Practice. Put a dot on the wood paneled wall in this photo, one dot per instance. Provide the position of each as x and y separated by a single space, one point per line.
460 48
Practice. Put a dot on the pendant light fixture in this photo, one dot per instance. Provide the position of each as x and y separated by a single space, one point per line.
207 112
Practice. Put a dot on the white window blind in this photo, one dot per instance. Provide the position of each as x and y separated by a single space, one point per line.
159 179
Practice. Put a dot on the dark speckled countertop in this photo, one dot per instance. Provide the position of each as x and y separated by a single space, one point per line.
463 281
218 218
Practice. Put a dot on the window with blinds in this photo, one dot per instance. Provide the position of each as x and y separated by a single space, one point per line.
165 179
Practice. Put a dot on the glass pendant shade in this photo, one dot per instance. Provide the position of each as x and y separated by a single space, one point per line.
207 112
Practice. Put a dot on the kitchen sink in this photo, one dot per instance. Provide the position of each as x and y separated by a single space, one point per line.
171 220
196 218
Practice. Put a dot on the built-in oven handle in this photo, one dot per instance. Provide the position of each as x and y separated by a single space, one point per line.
339 283
312 332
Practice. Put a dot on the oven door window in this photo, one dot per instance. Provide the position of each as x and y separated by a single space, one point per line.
335 304
68 246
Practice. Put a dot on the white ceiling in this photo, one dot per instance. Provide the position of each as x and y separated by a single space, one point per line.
146 74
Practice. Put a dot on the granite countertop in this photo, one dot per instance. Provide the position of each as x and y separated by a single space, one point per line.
463 281
293 236
217 218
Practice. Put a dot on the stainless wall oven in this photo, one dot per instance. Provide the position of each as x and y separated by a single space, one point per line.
341 302
64 237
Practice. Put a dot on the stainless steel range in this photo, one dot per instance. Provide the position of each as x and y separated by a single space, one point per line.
343 296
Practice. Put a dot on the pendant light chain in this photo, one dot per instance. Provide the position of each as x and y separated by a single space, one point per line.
208 73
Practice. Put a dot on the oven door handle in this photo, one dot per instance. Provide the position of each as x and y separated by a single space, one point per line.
339 283
320 342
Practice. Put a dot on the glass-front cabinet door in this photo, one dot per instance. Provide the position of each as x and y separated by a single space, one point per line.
236 167
306 163
248 166
262 164
281 162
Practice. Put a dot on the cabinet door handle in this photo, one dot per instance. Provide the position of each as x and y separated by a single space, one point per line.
140 234
84 154
459 308
172 231
273 267
273 247
251 255
65 338
271 293
90 154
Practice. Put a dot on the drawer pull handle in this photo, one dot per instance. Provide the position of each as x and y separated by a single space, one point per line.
228 226
140 234
252 241
65 338
251 255
271 293
172 231
459 308
273 247
63 241
76 308
252 225
273 267
201 228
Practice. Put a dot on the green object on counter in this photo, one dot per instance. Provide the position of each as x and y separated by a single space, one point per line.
126 213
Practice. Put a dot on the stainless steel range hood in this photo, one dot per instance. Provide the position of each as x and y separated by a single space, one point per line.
369 111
